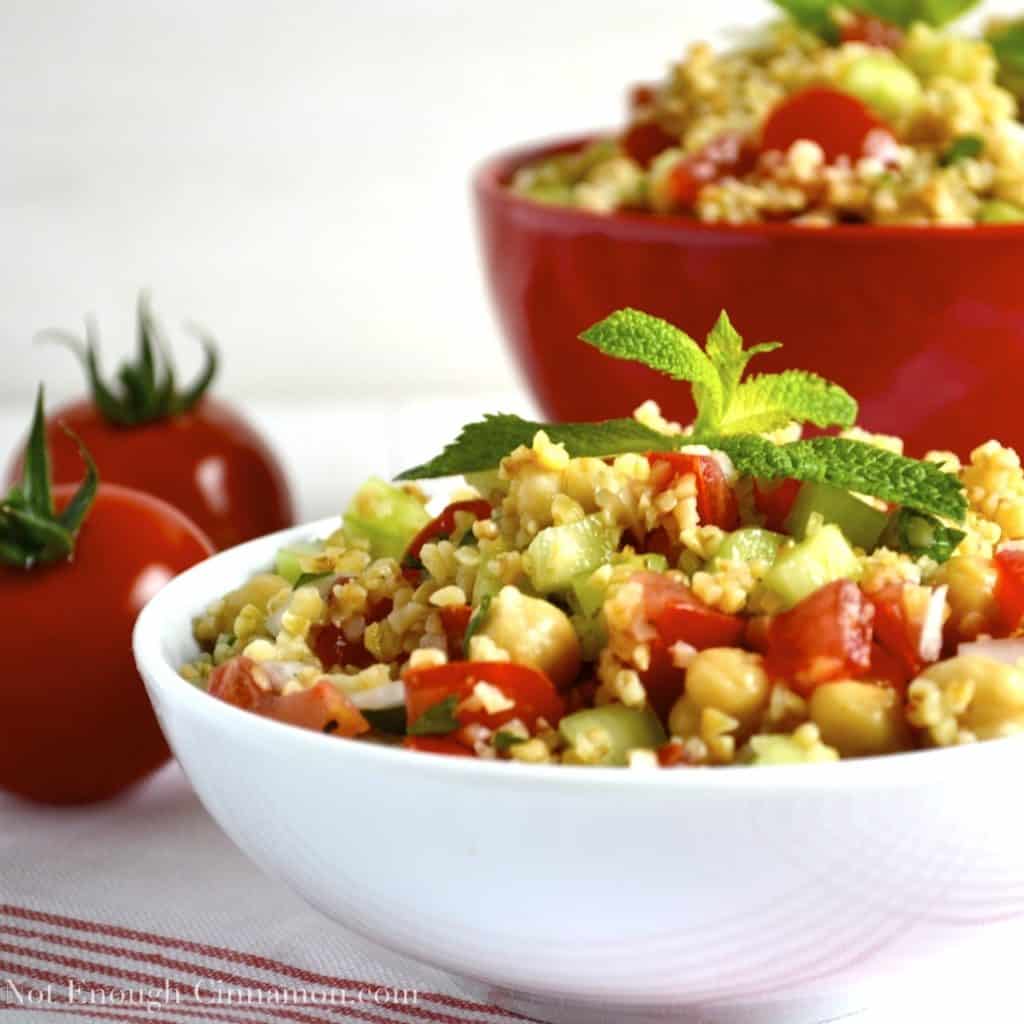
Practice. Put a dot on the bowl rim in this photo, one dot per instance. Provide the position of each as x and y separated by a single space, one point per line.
218 572
491 176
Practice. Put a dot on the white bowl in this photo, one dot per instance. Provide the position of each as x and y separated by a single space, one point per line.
751 895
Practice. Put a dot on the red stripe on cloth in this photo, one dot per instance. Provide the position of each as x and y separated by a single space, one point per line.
84 1013
197 970
279 1012
235 956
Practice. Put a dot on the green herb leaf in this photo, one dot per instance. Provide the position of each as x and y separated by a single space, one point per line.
438 720
919 534
504 741
147 387
1007 41
306 578
963 147
642 338
482 445
476 621
31 530
769 401
725 350
852 465
816 16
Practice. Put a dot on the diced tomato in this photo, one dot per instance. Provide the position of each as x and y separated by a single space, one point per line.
774 500
1010 588
716 501
455 618
321 708
330 645
896 634
841 124
826 636
644 140
678 616
864 28
533 694
437 745
673 755
887 668
443 526
234 683
657 542
728 155
756 630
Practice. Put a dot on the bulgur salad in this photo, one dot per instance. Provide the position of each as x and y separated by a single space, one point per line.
870 112
636 592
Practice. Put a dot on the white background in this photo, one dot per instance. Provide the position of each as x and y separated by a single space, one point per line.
293 175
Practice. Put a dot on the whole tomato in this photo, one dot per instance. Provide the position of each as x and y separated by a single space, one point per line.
182 446
76 567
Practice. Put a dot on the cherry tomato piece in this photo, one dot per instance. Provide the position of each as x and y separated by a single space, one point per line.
443 526
729 155
334 650
841 124
533 694
826 636
1010 588
321 708
75 723
864 28
895 633
644 140
716 500
774 500
455 620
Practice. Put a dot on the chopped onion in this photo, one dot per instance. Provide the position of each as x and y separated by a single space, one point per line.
281 673
1009 650
390 695
930 644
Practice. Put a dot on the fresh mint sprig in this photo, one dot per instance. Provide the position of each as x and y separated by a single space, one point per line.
816 15
732 413
726 404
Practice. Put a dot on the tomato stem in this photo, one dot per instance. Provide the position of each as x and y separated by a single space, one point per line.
31 530
146 389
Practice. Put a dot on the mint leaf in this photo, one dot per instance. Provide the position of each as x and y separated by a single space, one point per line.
963 147
482 445
437 720
852 465
724 347
1007 40
919 534
815 15
642 338
476 621
769 401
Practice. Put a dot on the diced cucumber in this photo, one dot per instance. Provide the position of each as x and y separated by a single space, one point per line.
487 481
592 635
999 211
487 582
288 560
823 557
883 82
589 592
559 553
861 523
385 516
626 728
748 544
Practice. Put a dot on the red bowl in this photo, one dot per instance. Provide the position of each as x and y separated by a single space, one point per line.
924 325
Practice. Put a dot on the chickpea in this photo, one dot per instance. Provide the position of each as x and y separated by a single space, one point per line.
258 591
986 696
972 584
534 632
860 719
730 680
685 718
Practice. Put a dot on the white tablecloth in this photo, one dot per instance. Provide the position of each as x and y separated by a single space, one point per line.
145 894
